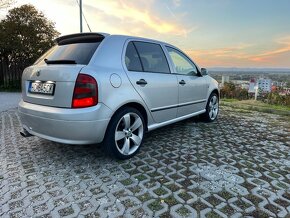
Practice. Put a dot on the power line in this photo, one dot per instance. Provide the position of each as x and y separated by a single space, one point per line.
84 17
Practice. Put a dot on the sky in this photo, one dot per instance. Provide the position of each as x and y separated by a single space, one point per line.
214 33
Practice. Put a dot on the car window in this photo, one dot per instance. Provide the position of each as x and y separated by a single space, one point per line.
181 63
81 53
152 57
132 59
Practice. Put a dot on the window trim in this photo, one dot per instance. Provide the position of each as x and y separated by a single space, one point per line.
198 74
155 43
138 55
124 59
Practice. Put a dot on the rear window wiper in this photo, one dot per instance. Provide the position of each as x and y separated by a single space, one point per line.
60 61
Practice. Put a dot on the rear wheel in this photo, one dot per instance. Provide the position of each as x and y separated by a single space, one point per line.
212 108
125 133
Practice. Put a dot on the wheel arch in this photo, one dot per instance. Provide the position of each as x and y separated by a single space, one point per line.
138 107
205 115
216 91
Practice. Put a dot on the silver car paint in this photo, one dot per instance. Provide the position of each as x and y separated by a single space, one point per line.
81 126
40 114
162 83
194 84
212 85
63 75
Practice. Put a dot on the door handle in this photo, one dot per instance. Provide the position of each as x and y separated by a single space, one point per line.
141 82
182 82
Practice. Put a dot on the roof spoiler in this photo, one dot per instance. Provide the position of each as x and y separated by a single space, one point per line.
80 37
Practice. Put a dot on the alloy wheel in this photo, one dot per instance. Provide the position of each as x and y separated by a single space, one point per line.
213 107
129 133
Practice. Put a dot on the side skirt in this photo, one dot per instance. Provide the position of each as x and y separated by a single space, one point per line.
158 125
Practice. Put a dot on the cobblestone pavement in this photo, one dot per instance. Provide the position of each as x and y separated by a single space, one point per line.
9 100
238 166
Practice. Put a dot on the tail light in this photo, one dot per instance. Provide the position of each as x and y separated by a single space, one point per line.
85 92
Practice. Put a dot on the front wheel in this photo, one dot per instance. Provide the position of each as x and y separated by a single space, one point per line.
125 133
212 108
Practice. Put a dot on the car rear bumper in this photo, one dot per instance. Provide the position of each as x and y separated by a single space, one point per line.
65 125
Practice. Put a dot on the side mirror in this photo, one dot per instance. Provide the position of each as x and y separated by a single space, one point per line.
203 71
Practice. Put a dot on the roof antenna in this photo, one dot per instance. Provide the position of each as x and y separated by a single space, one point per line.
81 11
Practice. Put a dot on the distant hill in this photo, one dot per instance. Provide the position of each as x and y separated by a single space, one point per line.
249 70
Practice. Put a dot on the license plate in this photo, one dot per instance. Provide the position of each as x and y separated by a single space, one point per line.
40 87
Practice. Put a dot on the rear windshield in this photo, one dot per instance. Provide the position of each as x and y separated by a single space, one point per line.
81 53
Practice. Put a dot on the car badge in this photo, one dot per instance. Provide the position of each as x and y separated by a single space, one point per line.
37 73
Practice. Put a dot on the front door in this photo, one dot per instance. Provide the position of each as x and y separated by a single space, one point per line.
192 87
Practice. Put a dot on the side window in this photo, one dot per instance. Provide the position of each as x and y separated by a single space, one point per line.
152 57
132 59
182 64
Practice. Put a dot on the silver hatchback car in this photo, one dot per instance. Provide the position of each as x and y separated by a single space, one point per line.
95 87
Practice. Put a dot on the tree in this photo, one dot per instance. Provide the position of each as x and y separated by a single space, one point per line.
227 91
6 3
230 90
242 94
25 34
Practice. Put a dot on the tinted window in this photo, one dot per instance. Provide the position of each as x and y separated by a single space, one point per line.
181 63
81 53
152 57
132 59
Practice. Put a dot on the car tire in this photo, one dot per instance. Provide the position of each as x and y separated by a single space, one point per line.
212 108
125 133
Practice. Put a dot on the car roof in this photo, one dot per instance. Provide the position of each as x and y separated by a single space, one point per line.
102 35
95 36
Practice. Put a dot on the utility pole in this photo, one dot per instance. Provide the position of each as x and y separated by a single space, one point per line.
81 16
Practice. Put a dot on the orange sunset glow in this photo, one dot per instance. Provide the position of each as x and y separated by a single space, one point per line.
249 33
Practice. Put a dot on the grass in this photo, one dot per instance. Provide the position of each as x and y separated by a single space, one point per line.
226 195
126 182
183 211
141 177
170 200
155 205
160 191
257 106
229 100
262 104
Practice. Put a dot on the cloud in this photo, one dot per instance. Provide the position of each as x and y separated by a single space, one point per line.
245 54
237 51
283 46
134 16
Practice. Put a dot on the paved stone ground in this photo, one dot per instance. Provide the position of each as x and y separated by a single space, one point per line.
238 166
9 100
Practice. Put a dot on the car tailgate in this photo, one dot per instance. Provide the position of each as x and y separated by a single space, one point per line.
62 77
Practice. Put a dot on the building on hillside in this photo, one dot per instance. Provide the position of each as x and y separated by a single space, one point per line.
241 84
265 85
285 91
225 79
279 84
245 86
252 85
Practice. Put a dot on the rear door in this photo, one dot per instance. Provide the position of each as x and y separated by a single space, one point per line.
149 73
192 87
51 80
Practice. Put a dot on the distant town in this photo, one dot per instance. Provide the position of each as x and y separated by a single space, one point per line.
255 80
